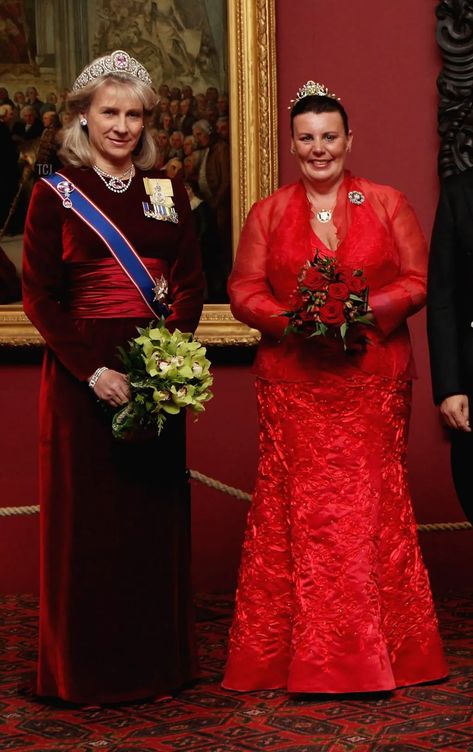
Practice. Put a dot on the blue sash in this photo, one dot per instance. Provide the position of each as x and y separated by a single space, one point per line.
118 245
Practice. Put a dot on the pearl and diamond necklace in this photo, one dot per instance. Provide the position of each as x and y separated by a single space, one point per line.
117 184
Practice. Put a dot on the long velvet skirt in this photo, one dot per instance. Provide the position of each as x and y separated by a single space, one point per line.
116 621
333 595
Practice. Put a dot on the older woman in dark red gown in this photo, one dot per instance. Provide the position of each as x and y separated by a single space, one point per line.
115 609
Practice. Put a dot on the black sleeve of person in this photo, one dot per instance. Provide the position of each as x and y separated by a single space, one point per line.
445 326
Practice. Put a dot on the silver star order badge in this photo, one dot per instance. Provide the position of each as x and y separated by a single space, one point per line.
356 197
160 289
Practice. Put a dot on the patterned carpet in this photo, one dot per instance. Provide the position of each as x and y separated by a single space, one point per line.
207 718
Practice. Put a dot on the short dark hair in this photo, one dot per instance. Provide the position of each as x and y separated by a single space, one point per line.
318 104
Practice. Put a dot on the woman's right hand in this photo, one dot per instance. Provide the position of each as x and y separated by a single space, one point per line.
455 412
112 387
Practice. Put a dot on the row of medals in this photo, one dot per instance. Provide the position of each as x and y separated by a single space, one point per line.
161 205
159 190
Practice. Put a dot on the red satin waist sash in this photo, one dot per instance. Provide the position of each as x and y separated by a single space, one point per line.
101 290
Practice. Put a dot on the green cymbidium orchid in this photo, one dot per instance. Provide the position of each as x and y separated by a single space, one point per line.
167 371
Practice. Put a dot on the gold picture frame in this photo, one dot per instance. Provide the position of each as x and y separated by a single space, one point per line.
253 114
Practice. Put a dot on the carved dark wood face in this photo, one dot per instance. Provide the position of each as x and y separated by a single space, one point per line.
455 86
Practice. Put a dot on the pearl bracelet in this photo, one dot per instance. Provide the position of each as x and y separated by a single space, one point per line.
96 375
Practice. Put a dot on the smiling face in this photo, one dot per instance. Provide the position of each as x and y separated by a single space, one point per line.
321 145
115 122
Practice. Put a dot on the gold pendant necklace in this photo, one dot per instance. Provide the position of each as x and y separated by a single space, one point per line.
322 215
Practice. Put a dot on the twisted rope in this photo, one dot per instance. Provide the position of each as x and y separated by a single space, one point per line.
211 483
10 511
238 494
449 526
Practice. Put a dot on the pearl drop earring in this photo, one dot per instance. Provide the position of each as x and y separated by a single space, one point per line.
83 121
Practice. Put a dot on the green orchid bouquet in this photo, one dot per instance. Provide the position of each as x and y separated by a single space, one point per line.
166 372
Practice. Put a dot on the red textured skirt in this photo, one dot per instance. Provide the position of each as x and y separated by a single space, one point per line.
333 594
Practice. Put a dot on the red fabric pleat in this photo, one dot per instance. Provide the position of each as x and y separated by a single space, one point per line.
101 289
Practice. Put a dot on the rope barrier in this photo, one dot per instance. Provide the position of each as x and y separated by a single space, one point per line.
11 511
238 494
211 483
448 526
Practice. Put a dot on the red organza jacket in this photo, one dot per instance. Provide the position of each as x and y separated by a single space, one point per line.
381 235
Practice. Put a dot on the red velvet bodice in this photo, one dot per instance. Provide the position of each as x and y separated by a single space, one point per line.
59 249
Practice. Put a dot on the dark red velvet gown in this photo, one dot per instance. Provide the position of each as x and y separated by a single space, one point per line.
116 619
333 595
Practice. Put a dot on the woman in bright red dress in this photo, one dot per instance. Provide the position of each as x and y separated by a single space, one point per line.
333 595
116 620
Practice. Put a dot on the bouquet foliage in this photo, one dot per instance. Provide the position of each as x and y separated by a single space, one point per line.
329 299
166 372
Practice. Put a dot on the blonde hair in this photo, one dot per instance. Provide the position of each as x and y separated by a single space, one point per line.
76 149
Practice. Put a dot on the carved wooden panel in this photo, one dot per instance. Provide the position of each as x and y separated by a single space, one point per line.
455 85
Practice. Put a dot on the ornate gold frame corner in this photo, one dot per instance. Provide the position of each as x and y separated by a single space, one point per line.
218 327
16 329
253 115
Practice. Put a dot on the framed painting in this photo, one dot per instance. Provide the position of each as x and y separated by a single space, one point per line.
227 46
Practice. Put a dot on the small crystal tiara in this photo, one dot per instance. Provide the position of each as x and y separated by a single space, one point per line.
117 62
312 89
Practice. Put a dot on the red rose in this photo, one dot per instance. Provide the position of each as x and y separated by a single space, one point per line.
297 300
314 279
307 316
356 284
332 313
338 291
344 274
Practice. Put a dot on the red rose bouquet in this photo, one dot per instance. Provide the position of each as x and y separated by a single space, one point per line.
328 300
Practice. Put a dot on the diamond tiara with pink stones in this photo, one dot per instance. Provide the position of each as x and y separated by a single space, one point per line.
117 62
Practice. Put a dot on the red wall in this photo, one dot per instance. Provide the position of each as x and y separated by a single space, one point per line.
381 58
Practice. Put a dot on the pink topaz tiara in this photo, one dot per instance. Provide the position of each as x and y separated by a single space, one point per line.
312 89
117 62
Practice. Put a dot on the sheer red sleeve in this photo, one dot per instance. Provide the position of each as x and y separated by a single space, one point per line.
393 303
251 297
43 284
186 284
